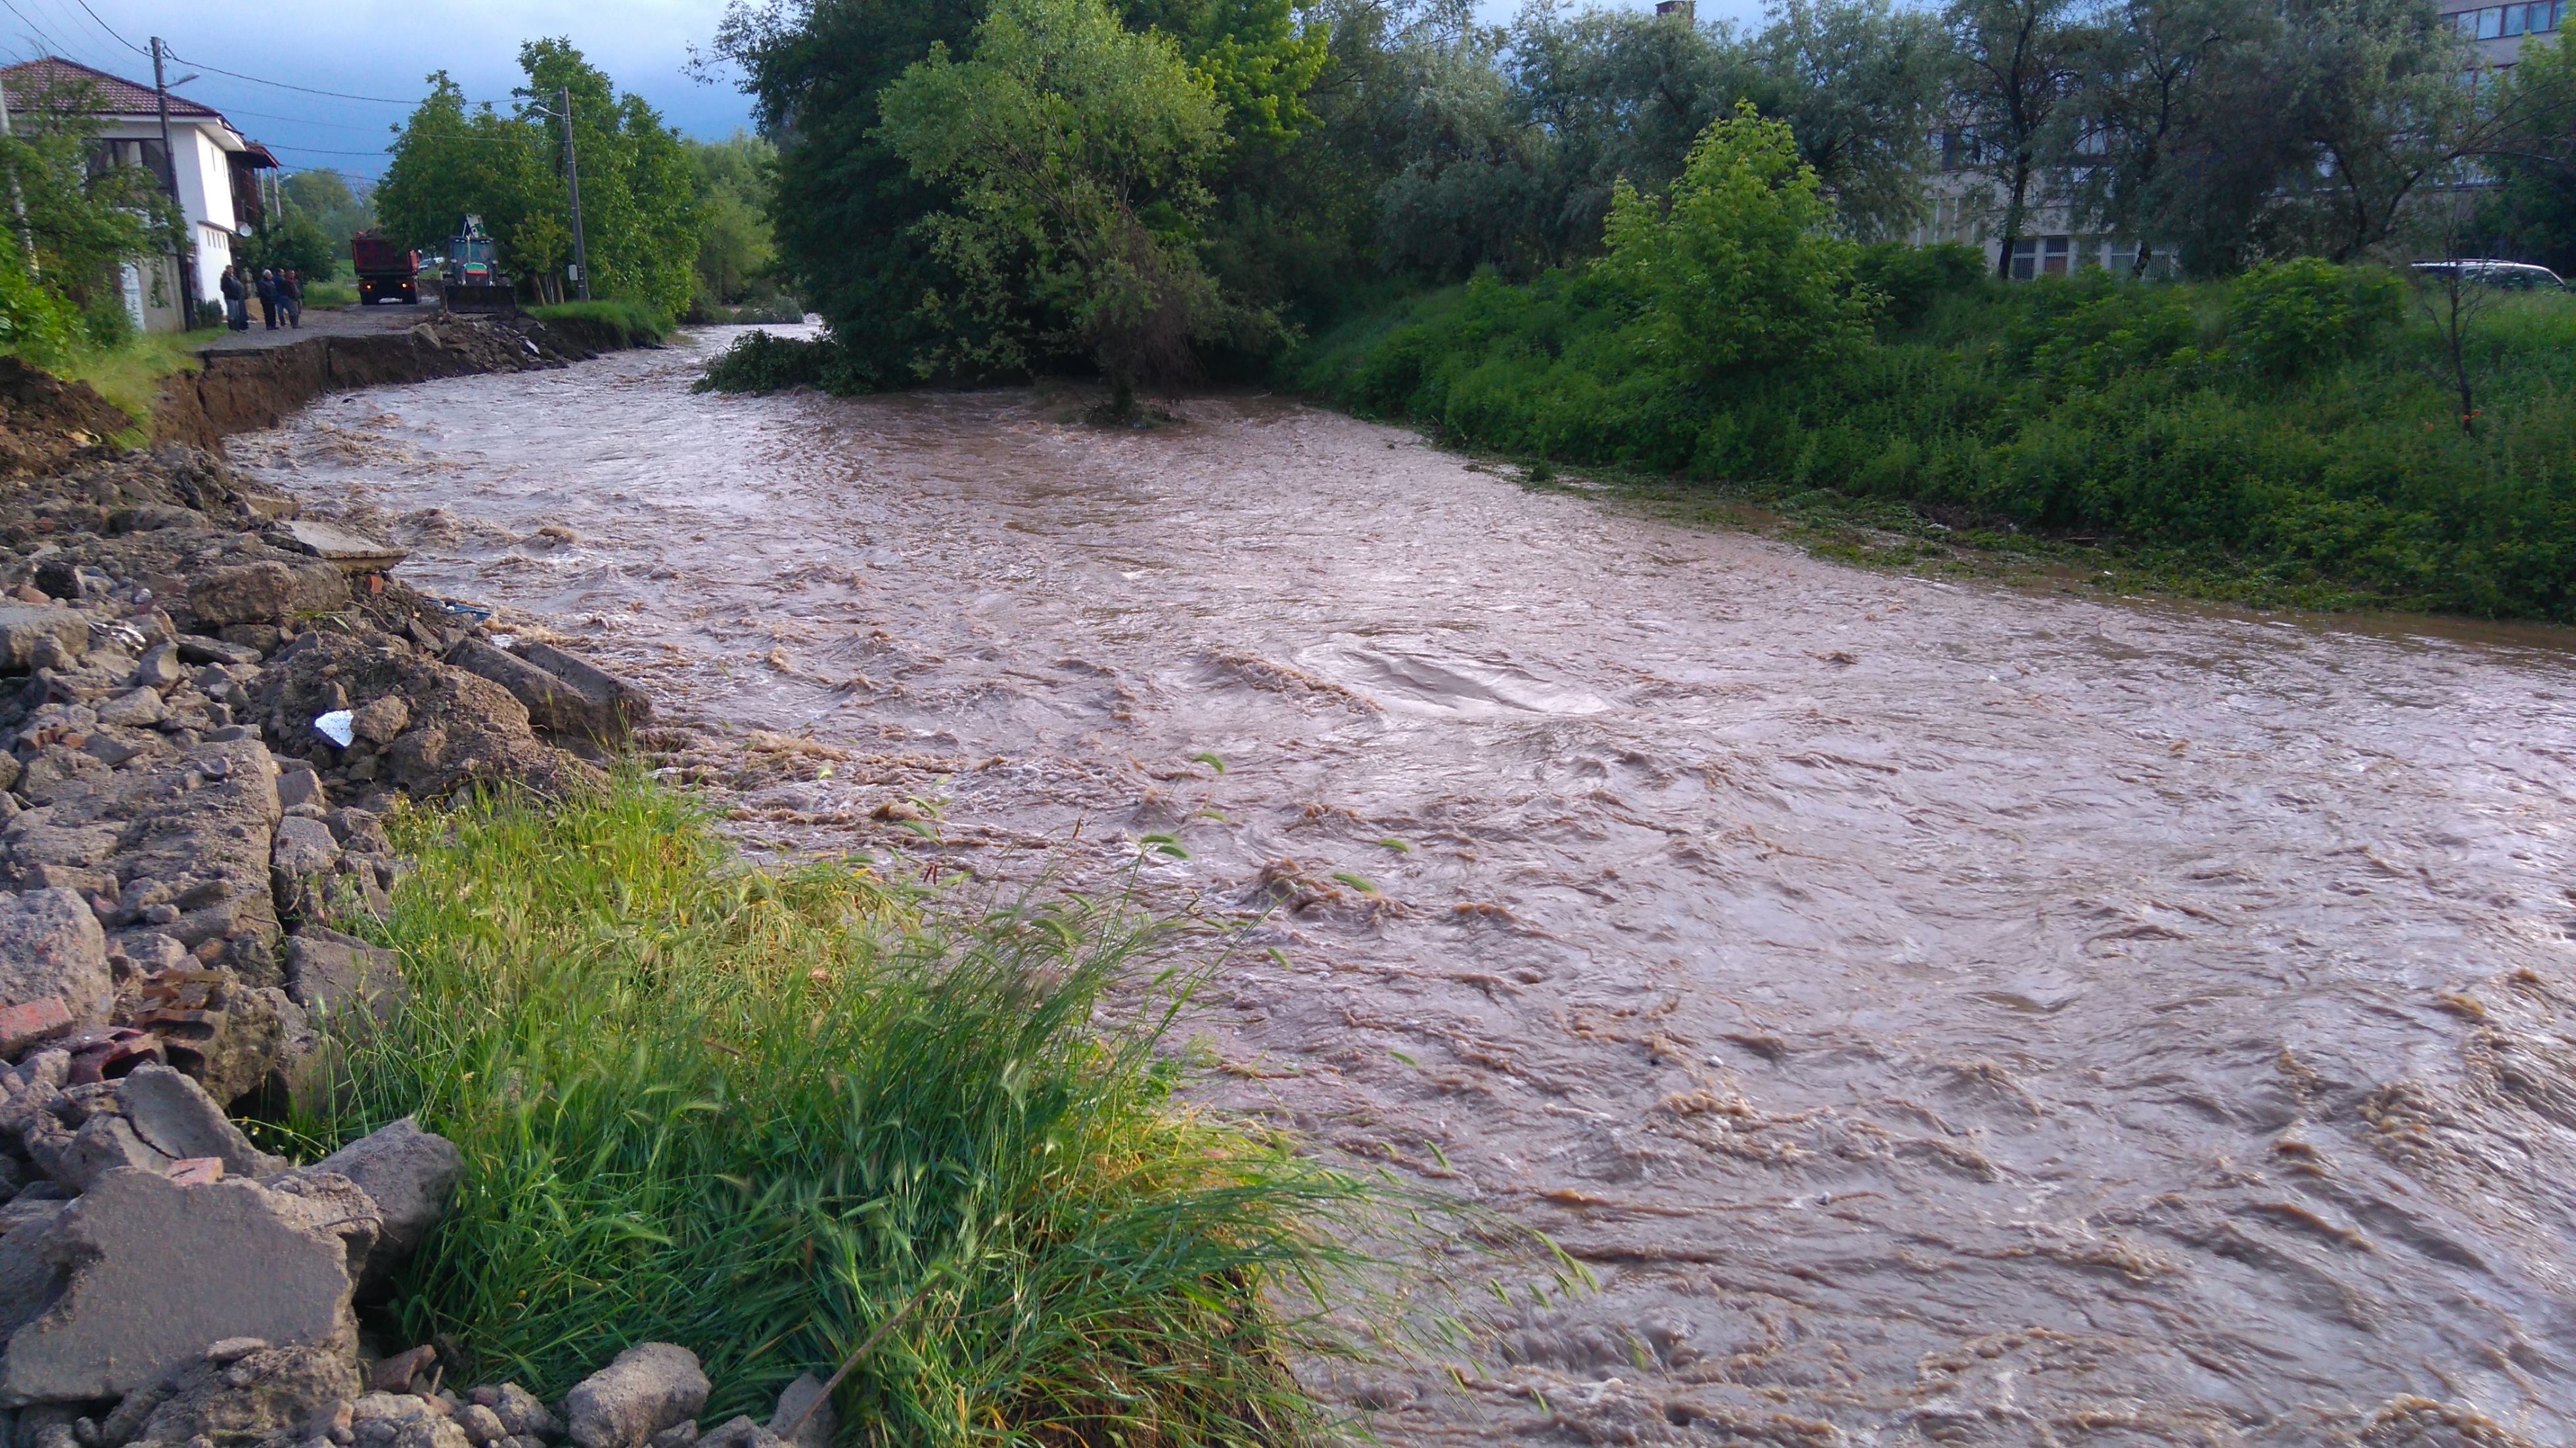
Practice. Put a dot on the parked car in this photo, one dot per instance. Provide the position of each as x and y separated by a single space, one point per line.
2510 276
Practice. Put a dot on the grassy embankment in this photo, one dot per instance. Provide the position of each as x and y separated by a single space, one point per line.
632 323
129 374
769 1116
2255 441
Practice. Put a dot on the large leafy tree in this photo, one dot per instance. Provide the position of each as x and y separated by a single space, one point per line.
639 207
847 209
734 178
1739 269
1077 149
2018 67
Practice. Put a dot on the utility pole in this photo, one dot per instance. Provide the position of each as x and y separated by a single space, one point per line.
170 170
572 174
17 198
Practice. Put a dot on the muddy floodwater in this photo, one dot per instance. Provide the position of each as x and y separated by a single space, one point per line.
1937 1013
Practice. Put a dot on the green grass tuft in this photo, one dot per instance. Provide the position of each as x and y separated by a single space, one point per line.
761 1114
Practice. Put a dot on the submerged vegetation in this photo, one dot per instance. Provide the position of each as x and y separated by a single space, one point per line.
772 1117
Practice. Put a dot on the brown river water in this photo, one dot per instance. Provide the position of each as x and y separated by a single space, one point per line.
1936 1012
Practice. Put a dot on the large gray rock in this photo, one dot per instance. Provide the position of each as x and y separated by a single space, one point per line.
582 702
814 1429
33 635
618 705
409 1173
521 1414
151 1272
173 1115
644 1390
326 970
303 847
268 592
51 945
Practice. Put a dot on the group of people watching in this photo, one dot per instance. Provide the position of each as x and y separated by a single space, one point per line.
280 294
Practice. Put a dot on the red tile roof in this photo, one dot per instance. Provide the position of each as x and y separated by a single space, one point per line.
107 95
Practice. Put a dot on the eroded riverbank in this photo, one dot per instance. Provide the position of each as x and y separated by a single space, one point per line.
1935 1012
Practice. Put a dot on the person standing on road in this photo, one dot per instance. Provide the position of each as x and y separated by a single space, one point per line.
291 286
268 307
236 310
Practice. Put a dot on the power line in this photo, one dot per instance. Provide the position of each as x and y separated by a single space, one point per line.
257 80
51 43
111 30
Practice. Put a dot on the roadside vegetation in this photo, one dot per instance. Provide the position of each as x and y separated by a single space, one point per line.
775 1116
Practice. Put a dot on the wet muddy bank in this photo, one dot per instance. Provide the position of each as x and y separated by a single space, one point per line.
240 391
1937 1012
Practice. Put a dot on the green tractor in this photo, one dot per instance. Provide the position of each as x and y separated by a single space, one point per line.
471 280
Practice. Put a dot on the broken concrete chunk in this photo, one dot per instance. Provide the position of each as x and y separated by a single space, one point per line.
160 667
645 1389
250 1394
228 1259
338 544
299 786
813 1429
388 1420
304 847
683 1434
482 1426
43 636
409 1174
325 969
266 592
51 947
138 708
620 707
199 649
29 1277
379 720
740 1433
174 1116
520 1412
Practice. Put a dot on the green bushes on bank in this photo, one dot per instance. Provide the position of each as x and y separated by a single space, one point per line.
2290 430
765 1115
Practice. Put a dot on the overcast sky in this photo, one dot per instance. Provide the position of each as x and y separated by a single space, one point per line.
382 49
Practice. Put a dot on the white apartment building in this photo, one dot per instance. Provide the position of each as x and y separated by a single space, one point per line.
216 171
1967 206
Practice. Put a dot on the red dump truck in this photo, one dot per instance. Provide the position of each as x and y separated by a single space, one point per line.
386 272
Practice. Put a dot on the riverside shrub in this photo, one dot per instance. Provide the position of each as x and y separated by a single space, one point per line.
759 1115
2284 430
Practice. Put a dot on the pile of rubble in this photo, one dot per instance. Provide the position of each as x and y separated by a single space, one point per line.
167 1283
208 703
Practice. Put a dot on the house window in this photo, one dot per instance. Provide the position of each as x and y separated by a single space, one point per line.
2513 15
2025 256
2491 22
2053 255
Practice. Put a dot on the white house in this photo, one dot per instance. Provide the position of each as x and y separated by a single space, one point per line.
216 172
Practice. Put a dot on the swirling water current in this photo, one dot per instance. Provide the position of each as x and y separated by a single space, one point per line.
1935 1012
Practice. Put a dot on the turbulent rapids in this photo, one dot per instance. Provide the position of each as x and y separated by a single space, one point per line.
1935 1013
